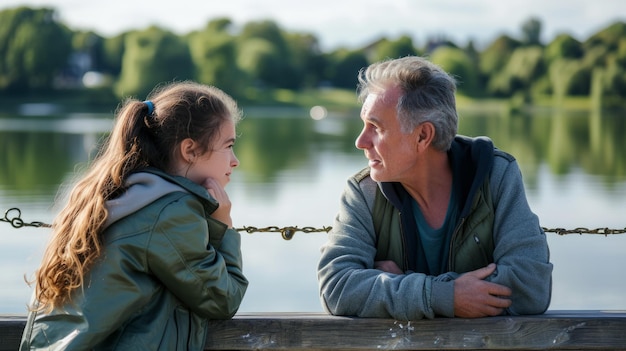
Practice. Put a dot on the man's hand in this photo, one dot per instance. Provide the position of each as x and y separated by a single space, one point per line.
474 297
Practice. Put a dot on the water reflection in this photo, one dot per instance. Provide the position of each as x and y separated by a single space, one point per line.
563 140
37 153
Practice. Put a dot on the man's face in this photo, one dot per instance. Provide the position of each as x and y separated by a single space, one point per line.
391 153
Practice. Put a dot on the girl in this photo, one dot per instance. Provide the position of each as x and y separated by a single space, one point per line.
144 252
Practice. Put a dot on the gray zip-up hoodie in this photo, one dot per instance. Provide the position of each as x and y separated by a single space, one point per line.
349 284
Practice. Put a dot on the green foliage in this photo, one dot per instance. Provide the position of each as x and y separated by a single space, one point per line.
614 80
264 55
569 77
386 49
609 37
620 54
219 25
344 66
524 66
34 48
40 54
268 31
212 52
152 56
92 46
85 40
564 46
112 54
460 65
496 55
306 59
259 59
596 56
531 31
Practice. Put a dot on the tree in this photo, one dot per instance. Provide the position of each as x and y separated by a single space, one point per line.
113 52
260 59
524 67
608 87
34 47
496 55
401 47
569 77
90 43
609 37
531 31
267 30
564 46
493 60
344 66
152 56
460 65
306 59
264 54
213 52
87 55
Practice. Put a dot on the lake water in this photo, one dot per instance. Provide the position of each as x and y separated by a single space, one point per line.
293 169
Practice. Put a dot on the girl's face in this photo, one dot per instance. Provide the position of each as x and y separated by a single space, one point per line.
218 162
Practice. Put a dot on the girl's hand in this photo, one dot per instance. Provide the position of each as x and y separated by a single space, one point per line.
217 191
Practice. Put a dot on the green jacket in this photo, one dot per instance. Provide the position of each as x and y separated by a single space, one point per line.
166 268
471 245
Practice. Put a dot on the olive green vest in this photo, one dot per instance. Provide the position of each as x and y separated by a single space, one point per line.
471 246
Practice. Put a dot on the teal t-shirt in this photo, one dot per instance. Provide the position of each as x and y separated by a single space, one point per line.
436 241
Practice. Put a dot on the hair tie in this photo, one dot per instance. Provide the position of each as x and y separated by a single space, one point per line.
150 106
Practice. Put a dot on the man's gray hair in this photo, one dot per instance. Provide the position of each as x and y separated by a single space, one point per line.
428 94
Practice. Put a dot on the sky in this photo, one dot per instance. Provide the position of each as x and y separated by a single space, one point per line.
347 23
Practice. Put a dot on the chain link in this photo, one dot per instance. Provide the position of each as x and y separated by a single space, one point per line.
14 217
17 222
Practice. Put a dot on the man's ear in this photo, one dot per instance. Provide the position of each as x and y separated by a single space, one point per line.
425 133
188 150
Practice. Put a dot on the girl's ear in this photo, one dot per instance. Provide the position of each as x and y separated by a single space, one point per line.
188 150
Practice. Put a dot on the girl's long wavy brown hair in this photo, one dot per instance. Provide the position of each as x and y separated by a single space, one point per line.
138 140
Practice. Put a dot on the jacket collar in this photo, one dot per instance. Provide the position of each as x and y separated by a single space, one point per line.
471 160
150 184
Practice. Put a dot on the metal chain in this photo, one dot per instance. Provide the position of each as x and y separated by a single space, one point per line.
580 230
17 221
13 216
286 232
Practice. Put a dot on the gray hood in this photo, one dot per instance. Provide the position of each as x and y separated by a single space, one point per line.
143 189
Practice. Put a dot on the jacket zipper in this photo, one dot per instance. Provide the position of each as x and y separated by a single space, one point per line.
454 235
482 249
406 258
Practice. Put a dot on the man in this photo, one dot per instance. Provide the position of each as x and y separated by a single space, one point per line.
438 224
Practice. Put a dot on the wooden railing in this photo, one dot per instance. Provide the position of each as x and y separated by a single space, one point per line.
555 330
